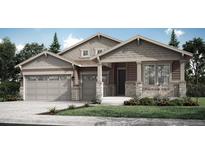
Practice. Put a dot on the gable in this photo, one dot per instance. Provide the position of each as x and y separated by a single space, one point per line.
144 51
46 61
91 45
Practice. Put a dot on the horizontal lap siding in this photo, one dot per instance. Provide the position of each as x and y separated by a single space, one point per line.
176 70
131 71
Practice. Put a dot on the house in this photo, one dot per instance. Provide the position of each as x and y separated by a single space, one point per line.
101 66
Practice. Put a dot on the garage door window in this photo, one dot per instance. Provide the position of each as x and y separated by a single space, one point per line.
31 78
43 78
54 77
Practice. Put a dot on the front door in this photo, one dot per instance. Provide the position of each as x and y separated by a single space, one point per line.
121 82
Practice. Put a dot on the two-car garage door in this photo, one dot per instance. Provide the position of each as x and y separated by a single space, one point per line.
48 87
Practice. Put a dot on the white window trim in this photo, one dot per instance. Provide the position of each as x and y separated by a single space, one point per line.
156 72
82 50
96 50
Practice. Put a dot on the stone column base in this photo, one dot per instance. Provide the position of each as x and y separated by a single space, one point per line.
75 93
130 88
182 89
99 90
138 89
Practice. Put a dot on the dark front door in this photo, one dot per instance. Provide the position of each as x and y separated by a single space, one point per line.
121 82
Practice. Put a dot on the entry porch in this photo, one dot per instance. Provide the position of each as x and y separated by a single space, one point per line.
142 79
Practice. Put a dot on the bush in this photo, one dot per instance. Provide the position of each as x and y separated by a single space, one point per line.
146 101
52 110
187 101
194 91
71 107
162 101
9 91
96 101
132 102
176 102
86 105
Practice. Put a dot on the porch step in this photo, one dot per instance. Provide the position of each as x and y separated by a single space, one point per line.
114 100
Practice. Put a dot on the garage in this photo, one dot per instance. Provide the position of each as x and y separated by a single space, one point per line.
48 87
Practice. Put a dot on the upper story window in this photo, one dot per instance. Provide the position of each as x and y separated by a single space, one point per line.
98 51
85 53
156 74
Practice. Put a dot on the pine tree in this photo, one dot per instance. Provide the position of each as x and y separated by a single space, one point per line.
55 46
173 40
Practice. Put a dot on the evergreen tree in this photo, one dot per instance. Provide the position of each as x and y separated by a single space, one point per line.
55 46
173 40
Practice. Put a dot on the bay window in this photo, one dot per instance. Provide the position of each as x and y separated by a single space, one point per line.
156 74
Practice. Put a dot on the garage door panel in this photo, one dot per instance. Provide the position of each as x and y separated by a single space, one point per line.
48 88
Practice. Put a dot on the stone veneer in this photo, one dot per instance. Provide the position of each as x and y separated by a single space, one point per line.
99 90
75 93
130 88
182 89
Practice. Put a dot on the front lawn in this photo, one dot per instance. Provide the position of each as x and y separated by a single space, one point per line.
172 112
201 100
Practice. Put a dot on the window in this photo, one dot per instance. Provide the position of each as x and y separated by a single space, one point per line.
85 53
163 74
156 74
98 51
149 74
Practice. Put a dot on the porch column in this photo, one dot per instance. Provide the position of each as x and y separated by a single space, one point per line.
182 84
139 79
24 88
76 79
139 72
182 70
75 89
99 83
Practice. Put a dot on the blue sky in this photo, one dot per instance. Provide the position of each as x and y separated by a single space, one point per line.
69 36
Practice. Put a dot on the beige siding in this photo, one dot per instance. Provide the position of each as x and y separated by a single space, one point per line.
131 71
176 70
145 51
47 62
91 45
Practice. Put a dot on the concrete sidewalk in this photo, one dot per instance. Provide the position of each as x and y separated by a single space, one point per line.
27 113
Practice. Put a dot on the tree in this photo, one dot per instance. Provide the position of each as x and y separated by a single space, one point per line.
196 66
7 63
55 46
29 50
173 40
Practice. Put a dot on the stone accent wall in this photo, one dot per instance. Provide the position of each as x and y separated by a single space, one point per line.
139 87
130 88
152 91
75 93
99 90
182 89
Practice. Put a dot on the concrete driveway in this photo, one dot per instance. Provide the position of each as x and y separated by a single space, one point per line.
27 113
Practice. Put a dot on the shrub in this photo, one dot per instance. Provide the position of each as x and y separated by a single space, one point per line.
52 110
187 101
161 101
86 105
146 101
96 101
132 102
176 102
194 91
9 91
71 107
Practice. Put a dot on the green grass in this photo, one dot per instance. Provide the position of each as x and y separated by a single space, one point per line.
173 112
201 101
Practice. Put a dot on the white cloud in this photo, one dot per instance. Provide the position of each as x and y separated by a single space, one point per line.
178 32
1 40
19 47
70 40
